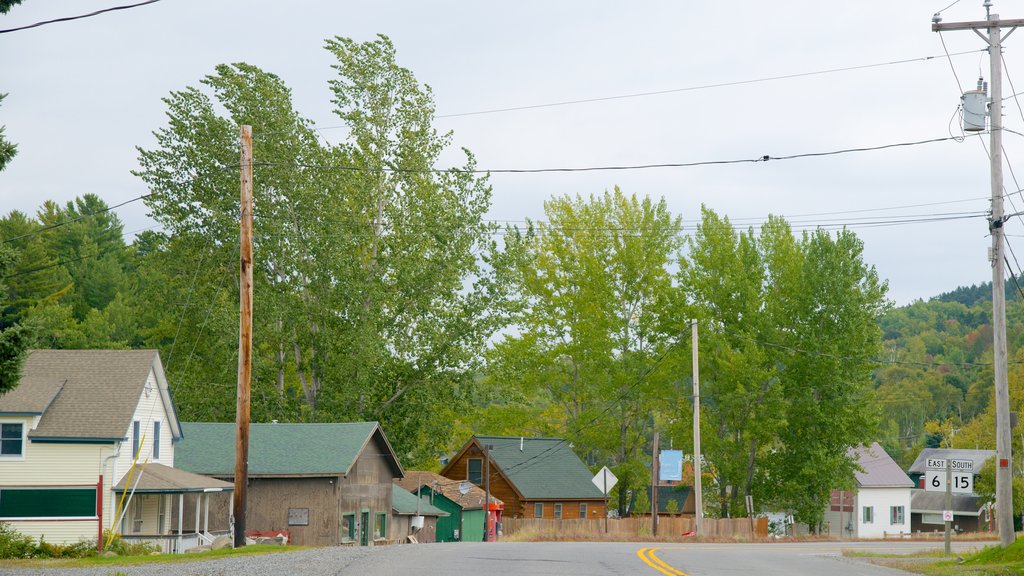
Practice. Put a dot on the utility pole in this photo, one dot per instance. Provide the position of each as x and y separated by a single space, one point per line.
994 39
487 492
244 340
698 496
949 504
654 485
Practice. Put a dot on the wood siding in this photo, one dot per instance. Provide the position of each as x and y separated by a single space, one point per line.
500 486
400 529
570 509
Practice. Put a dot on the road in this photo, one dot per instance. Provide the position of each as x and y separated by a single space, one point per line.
620 558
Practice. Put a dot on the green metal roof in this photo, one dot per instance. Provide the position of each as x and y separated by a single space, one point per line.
404 502
279 449
543 468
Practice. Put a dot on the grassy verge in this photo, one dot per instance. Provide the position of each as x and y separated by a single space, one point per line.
991 561
158 558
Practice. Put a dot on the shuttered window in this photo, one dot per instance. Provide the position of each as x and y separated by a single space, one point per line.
47 502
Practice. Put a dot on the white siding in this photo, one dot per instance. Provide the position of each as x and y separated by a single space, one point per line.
882 500
65 532
149 409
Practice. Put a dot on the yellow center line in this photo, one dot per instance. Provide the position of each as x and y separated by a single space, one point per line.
649 558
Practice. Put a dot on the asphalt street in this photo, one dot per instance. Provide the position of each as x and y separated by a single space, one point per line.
620 558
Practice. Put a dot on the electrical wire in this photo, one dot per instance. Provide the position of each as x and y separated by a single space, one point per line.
69 18
77 219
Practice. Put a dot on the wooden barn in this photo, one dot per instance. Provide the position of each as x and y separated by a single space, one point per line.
534 477
324 484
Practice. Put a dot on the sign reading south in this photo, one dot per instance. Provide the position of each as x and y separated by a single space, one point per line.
955 465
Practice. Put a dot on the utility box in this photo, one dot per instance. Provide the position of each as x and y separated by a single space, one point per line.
975 103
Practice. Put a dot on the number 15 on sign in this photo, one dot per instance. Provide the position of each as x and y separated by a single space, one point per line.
963 482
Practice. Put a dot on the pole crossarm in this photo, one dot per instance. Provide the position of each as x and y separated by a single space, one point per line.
977 25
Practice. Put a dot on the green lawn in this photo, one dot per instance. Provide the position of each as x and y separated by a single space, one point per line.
992 561
159 558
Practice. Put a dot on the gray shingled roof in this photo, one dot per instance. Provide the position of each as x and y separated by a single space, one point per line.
879 469
324 449
404 503
159 479
85 394
473 499
540 468
977 456
923 501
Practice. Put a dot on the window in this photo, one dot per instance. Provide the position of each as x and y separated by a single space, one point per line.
161 515
136 438
583 509
895 514
382 526
137 516
156 439
538 510
558 511
869 514
48 503
298 516
348 528
12 440
475 471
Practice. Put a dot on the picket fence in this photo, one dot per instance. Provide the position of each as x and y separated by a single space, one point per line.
636 526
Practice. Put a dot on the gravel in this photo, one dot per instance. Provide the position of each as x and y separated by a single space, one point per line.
328 561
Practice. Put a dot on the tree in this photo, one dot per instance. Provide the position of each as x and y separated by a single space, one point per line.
365 281
6 5
586 294
14 338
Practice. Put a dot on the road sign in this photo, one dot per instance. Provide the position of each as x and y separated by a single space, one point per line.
935 481
947 515
956 465
605 480
670 465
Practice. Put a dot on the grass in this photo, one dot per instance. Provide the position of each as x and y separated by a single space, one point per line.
95 561
991 561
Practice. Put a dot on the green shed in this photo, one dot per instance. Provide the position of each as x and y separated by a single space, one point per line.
464 502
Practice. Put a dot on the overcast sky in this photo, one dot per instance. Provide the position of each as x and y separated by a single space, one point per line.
84 94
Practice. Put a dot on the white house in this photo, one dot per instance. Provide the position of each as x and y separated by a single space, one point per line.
87 444
880 503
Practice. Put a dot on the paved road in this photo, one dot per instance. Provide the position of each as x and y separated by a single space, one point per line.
619 558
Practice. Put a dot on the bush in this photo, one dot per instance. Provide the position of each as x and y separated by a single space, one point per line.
14 544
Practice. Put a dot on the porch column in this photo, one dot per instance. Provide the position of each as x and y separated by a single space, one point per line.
181 514
231 517
206 512
197 513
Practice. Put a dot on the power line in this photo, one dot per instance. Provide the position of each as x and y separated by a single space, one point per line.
763 158
69 18
77 219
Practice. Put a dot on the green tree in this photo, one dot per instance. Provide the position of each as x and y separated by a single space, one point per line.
14 338
586 293
366 304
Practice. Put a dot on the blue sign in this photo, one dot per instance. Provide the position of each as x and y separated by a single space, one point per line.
670 465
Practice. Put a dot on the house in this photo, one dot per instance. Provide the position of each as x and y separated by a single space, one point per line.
87 444
880 502
534 477
412 516
324 484
464 503
920 466
926 507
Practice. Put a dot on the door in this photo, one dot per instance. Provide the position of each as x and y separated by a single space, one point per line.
364 528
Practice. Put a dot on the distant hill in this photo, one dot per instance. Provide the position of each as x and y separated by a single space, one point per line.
979 293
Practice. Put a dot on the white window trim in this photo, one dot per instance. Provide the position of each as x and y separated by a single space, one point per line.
24 442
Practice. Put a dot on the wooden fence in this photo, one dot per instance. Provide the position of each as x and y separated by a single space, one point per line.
634 527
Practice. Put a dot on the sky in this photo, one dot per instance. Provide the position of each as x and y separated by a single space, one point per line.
83 95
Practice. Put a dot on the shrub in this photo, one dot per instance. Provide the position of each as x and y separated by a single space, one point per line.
14 544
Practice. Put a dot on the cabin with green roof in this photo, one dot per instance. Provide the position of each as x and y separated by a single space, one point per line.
325 484
534 477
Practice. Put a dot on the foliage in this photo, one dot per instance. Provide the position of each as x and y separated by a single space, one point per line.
366 273
586 293
7 148
14 544
6 5
641 502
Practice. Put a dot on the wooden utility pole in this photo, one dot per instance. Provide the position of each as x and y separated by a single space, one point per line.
698 496
994 38
949 506
487 492
654 485
244 340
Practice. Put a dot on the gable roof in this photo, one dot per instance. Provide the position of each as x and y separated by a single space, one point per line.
84 395
326 449
979 457
473 499
879 469
538 468
159 479
404 503
925 502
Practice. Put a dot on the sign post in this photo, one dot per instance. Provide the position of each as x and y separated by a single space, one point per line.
949 476
605 481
